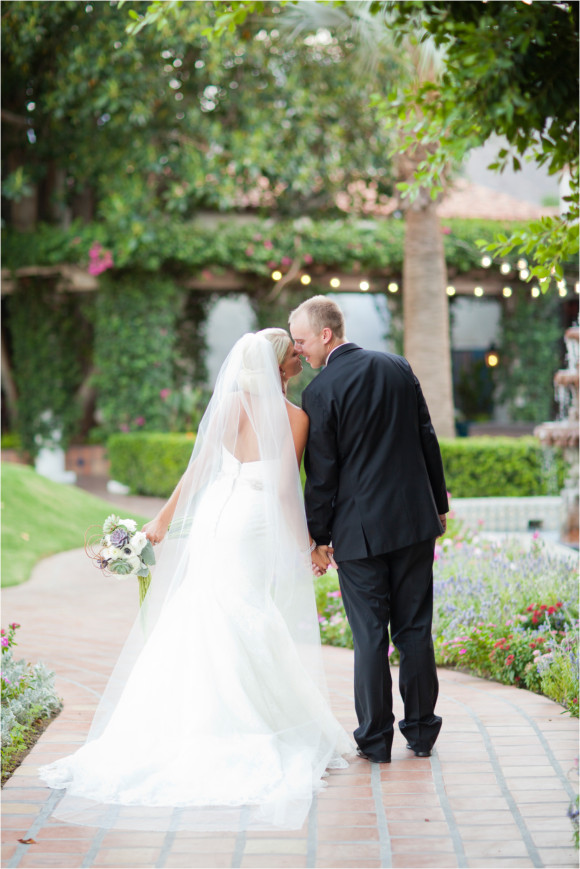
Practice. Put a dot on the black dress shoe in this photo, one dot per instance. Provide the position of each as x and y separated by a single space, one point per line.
371 759
419 753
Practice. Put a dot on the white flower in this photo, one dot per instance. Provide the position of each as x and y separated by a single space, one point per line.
134 563
129 524
138 541
112 553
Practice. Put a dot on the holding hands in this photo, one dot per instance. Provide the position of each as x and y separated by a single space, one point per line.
322 558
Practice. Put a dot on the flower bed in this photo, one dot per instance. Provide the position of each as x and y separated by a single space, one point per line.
499 611
28 700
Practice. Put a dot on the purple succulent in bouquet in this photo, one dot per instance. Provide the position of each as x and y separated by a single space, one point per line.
119 537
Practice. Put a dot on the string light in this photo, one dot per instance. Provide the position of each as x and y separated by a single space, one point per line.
561 284
577 287
522 263
492 360
562 291
334 282
535 291
305 279
393 287
505 268
451 290
276 275
524 274
364 286
478 291
507 291
486 261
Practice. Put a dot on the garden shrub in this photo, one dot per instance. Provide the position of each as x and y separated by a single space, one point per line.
498 467
150 463
28 694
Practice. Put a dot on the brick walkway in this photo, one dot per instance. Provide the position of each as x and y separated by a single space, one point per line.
494 794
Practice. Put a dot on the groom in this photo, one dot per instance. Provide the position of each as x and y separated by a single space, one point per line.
375 488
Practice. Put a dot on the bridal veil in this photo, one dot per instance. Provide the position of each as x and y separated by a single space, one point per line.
215 716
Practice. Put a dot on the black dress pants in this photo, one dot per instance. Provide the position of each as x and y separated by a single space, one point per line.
395 588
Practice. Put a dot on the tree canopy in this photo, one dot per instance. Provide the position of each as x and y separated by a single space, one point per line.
510 69
174 122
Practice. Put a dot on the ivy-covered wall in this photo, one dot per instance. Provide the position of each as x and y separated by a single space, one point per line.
247 246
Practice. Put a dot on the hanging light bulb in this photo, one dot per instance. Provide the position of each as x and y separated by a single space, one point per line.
524 274
334 282
522 263
486 261
478 291
577 287
562 291
505 268
393 287
305 279
276 275
364 286
535 292
451 290
507 291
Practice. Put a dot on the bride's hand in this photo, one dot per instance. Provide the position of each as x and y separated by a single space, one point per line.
322 559
155 530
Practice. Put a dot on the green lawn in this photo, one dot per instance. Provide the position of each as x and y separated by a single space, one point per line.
40 518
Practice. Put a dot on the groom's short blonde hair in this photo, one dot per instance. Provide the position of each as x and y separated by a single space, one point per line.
322 313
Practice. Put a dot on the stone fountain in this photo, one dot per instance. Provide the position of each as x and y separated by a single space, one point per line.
564 432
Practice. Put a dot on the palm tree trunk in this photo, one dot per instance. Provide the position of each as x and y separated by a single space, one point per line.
426 315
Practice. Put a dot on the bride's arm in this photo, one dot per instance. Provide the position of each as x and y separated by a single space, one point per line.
299 425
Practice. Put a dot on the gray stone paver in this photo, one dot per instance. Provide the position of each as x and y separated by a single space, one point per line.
494 794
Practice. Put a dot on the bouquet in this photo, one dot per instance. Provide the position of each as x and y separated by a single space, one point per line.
119 549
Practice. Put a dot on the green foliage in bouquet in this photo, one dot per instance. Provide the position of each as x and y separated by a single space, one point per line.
134 350
482 467
150 463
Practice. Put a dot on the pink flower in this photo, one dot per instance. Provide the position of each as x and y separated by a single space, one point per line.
391 650
268 244
307 258
286 260
334 594
462 651
165 393
14 625
124 427
446 230
509 660
5 642
535 535
249 250
140 420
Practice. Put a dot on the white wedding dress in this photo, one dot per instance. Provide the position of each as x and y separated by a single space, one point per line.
219 718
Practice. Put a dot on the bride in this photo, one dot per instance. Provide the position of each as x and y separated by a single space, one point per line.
215 717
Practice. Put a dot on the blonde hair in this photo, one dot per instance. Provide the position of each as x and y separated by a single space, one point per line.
280 341
322 313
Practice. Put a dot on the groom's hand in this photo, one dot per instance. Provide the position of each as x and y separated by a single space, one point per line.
443 520
322 558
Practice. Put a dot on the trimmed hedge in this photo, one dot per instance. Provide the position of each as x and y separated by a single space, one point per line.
152 464
485 467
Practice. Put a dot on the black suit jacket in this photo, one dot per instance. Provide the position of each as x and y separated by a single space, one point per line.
375 480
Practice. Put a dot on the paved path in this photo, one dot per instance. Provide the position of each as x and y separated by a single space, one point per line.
494 794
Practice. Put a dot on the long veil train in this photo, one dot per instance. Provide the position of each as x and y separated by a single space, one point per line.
215 716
